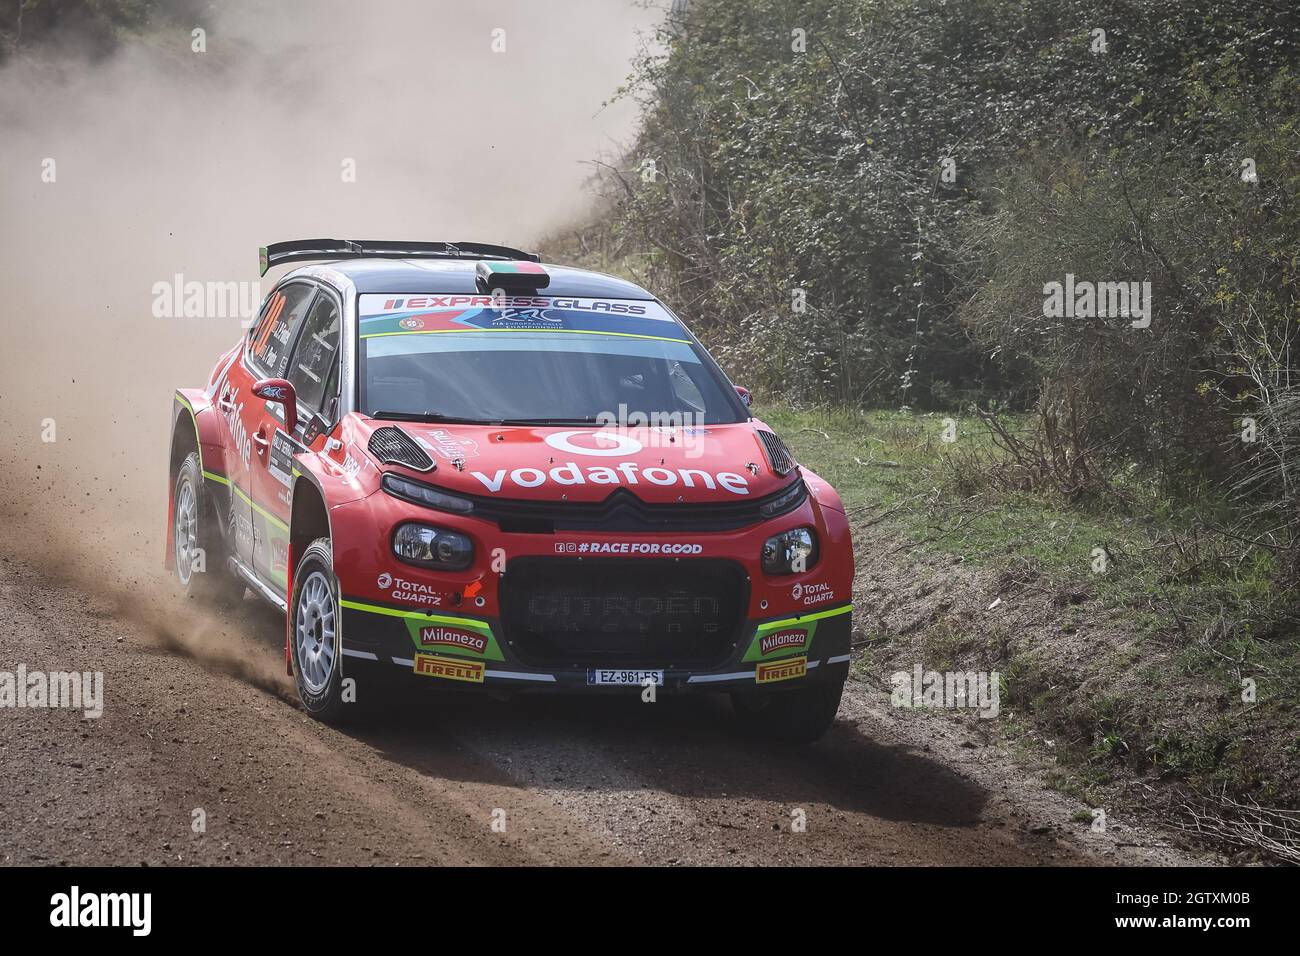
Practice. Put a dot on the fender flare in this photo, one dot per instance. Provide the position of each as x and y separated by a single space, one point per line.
305 472
196 405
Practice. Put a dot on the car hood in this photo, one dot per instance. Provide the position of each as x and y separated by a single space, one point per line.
715 463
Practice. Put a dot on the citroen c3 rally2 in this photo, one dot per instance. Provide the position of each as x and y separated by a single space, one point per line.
449 462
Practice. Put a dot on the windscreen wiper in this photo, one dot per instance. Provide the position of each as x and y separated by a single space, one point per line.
589 420
427 417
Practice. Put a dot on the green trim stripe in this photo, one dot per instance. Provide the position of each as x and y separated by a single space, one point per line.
259 509
415 620
795 621
472 622
417 615
221 480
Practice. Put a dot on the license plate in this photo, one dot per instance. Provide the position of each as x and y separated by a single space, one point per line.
631 678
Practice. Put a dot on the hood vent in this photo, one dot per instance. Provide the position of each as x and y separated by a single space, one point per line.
393 446
778 455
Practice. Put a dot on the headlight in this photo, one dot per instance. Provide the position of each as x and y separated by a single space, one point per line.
422 494
433 547
790 552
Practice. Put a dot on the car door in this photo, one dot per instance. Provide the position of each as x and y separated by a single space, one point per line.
312 369
267 356
234 388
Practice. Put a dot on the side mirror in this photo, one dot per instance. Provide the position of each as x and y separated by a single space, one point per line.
282 392
744 395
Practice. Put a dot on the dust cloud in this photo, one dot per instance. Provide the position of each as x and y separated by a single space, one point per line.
167 161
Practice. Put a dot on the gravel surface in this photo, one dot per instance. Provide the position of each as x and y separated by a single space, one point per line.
199 717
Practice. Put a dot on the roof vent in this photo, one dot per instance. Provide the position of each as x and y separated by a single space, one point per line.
508 276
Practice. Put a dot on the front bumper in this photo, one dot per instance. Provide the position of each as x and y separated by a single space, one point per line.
564 601
467 652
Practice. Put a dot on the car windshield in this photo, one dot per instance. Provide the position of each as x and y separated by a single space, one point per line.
496 368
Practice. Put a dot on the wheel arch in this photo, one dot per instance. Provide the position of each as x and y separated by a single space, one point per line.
309 519
194 429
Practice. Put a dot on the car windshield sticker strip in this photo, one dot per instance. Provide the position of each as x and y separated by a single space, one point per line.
416 315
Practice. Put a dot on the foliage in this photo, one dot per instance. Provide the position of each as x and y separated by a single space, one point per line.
799 147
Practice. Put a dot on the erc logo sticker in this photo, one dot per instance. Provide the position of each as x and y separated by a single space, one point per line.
430 666
452 637
781 670
782 641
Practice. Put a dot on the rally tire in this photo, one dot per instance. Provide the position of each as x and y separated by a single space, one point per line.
791 716
315 634
195 531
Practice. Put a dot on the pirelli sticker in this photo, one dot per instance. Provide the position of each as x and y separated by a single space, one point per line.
450 668
789 669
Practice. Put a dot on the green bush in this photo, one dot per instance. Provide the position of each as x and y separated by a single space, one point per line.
763 172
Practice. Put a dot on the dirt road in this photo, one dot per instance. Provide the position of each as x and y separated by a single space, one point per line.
579 781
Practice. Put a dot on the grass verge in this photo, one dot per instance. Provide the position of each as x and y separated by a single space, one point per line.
1146 647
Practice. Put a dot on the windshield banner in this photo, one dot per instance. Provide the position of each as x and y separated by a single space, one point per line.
414 315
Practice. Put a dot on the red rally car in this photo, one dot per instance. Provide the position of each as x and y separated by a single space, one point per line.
449 462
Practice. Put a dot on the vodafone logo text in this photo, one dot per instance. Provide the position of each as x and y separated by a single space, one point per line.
624 473
605 443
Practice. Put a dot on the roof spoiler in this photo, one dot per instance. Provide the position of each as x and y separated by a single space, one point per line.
304 250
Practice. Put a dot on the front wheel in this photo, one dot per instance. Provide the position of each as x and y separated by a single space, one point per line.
314 630
792 716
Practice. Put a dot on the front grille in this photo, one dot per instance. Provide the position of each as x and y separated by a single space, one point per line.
391 444
592 612
778 455
623 511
